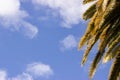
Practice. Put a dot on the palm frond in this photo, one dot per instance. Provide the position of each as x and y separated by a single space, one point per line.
111 48
113 53
89 12
91 43
87 1
115 69
89 29
105 27
100 53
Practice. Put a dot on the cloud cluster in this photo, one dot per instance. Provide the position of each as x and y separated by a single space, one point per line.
33 71
12 17
68 42
71 11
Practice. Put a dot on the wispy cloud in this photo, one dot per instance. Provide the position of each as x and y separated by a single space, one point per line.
68 42
29 30
71 11
33 71
12 17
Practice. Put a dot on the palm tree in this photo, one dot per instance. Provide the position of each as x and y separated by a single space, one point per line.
104 26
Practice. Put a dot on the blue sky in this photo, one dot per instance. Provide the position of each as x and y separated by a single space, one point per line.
39 38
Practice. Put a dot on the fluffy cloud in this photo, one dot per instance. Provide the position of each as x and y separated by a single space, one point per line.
12 17
3 75
9 7
39 69
33 71
68 43
71 11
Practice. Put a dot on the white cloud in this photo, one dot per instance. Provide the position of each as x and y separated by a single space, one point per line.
9 7
68 43
71 11
12 17
33 71
23 76
39 70
3 75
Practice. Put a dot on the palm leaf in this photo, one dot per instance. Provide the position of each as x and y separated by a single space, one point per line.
89 47
87 1
111 48
115 69
89 12
89 29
